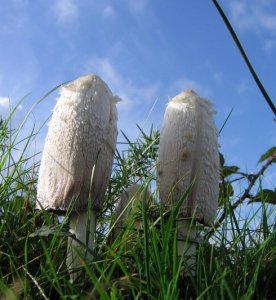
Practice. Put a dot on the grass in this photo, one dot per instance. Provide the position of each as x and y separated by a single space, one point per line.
234 260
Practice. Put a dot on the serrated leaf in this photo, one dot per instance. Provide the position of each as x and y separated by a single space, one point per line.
266 195
269 153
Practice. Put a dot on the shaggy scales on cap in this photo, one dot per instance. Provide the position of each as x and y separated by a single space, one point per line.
77 157
188 152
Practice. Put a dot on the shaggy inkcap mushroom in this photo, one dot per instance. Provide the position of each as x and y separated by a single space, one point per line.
188 152
77 157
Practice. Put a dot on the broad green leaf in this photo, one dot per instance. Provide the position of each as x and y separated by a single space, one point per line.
266 195
269 153
229 170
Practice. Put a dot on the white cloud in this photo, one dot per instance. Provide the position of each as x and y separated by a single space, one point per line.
131 93
137 98
239 15
6 107
4 102
21 129
253 15
66 11
266 20
257 17
139 101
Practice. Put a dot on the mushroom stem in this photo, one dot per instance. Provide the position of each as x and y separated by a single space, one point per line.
186 242
83 226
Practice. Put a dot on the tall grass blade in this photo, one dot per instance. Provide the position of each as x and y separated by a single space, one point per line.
247 61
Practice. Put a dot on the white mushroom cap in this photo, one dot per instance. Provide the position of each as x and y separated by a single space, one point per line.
82 134
189 150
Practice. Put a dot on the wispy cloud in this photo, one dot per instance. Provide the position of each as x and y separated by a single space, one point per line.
253 15
257 17
4 102
66 11
131 93
6 107
137 98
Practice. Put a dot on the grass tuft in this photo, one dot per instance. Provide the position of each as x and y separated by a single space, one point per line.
236 259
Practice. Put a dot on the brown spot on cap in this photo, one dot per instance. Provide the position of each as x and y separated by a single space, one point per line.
189 92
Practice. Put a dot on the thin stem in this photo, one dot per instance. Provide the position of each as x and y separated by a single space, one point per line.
251 69
246 193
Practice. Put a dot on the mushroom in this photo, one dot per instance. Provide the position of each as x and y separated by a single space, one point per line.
77 160
127 204
128 213
188 154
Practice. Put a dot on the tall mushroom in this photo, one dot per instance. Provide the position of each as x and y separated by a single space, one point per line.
188 152
77 159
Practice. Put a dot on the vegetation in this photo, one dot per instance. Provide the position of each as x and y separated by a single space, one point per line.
235 260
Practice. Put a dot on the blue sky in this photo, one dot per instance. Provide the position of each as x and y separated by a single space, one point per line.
146 51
